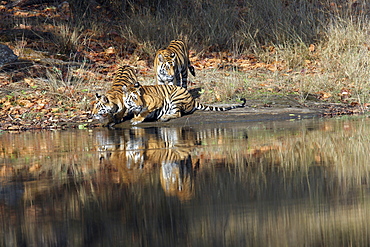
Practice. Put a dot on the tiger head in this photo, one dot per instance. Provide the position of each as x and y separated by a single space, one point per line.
166 66
132 98
104 108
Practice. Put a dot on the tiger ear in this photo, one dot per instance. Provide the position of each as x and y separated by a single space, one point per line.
104 99
124 88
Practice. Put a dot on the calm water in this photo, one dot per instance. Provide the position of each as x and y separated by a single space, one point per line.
302 183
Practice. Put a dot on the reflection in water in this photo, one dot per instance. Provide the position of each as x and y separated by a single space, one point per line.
134 152
288 184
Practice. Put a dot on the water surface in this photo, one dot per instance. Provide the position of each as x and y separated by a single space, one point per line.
301 183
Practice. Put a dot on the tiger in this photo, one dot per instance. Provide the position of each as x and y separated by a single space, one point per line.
110 106
172 61
163 102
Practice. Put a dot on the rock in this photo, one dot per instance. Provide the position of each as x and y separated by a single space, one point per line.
6 55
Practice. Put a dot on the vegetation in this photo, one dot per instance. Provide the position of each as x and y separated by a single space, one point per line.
69 50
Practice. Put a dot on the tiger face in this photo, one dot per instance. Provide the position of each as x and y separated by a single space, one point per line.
141 104
110 106
133 100
104 108
172 64
167 67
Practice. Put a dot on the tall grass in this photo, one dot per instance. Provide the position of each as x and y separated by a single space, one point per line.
338 63
213 25
68 38
345 55
231 24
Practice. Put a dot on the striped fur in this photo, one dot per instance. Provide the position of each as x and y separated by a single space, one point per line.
163 102
110 106
172 61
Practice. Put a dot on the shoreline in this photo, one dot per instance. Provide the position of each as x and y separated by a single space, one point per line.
255 111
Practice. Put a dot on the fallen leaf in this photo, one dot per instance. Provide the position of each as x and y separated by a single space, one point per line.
110 51
312 48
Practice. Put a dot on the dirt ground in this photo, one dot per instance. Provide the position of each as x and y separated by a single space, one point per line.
275 109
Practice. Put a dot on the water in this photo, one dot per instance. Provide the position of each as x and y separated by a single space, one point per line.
299 183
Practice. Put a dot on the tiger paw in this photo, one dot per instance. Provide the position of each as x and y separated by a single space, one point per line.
136 122
164 119
168 117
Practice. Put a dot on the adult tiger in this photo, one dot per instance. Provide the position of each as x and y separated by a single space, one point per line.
172 61
163 102
110 106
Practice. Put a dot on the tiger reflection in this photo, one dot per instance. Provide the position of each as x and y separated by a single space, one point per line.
132 154
177 179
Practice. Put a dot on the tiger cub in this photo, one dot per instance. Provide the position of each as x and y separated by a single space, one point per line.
110 106
172 61
163 102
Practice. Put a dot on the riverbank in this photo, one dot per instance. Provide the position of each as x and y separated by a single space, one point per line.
279 108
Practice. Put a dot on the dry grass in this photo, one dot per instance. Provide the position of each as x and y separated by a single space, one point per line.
68 38
234 25
337 66
345 56
224 24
